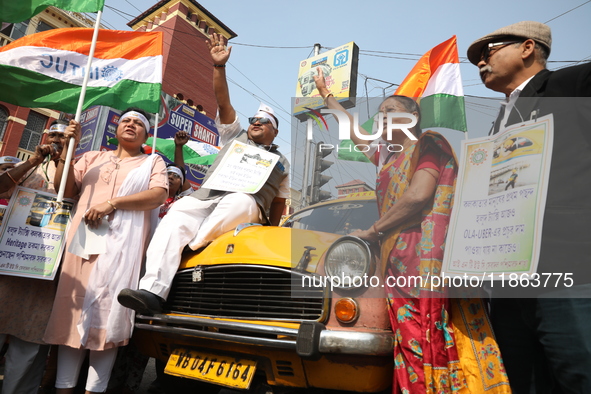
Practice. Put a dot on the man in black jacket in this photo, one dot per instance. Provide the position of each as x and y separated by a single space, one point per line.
545 341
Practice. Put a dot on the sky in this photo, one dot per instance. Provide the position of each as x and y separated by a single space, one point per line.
274 36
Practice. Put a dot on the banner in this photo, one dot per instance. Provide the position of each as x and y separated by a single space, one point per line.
174 116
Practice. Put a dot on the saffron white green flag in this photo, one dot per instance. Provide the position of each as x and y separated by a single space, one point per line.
435 82
194 152
47 69
17 10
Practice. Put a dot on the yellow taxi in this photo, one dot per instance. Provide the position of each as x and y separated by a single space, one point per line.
283 306
45 212
526 143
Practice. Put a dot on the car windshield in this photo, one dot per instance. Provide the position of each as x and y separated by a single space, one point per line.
342 217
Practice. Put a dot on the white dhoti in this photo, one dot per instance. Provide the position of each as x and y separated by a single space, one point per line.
192 222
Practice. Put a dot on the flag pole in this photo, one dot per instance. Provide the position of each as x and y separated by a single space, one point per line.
155 134
71 147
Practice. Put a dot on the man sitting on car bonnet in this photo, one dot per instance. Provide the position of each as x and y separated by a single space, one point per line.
206 214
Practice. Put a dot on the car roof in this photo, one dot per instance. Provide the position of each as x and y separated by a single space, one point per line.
349 197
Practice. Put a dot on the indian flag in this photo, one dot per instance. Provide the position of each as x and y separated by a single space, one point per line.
17 11
435 82
47 69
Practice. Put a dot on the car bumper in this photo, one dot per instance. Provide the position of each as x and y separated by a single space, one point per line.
310 340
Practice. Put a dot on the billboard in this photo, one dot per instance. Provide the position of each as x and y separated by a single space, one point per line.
339 66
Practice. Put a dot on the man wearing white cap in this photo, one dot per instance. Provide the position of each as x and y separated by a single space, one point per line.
206 214
26 302
544 339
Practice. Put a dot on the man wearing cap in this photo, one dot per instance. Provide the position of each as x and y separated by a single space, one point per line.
545 340
26 302
206 214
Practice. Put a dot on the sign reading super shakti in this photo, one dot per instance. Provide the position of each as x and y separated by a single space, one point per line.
339 66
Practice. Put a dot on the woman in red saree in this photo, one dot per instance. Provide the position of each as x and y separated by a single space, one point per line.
441 345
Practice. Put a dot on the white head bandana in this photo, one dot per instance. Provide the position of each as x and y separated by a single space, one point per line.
265 111
176 170
57 128
9 160
134 114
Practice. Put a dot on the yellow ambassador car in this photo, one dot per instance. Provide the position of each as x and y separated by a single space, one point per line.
254 308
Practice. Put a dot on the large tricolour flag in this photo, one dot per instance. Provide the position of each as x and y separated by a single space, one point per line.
46 69
435 82
19 10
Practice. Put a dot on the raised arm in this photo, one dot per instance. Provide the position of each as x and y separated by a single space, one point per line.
332 103
180 139
220 55
73 130
11 177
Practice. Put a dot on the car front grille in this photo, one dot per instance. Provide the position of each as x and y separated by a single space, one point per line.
245 292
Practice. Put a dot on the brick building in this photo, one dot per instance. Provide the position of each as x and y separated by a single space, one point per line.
187 69
354 186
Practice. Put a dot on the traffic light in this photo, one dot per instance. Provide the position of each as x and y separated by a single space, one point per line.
318 179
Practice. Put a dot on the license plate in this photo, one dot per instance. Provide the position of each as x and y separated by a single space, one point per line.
221 370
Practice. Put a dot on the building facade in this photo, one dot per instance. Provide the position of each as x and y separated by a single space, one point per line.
187 70
354 186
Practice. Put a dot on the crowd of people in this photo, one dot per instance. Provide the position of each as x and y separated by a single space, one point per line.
539 345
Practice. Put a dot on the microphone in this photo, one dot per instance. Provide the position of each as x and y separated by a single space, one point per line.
54 150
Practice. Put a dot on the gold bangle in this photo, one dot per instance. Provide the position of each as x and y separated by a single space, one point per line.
112 205
375 230
326 98
10 176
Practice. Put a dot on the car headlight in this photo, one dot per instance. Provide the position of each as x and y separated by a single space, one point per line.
349 257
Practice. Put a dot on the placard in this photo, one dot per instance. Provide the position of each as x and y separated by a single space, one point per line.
243 169
496 222
32 235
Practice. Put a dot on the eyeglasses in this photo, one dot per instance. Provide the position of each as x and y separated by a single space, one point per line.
259 120
174 175
488 51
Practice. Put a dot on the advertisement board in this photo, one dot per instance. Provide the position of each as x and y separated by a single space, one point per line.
90 121
339 66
